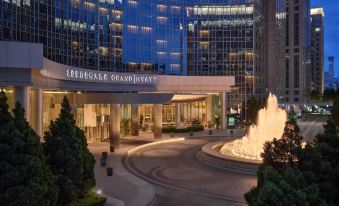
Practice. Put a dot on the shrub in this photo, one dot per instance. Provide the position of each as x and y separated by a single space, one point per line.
193 128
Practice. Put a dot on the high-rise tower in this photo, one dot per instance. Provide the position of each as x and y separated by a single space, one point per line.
317 49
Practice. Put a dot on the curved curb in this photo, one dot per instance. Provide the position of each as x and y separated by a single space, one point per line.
133 170
111 201
145 191
209 156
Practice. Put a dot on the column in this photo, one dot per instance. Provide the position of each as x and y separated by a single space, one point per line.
134 119
209 108
38 107
223 118
22 94
157 111
177 115
114 132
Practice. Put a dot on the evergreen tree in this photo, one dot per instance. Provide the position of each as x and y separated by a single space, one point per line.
329 95
335 112
320 163
253 107
315 95
284 152
284 188
292 175
24 177
68 156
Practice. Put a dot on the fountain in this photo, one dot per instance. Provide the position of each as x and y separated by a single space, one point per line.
243 155
270 124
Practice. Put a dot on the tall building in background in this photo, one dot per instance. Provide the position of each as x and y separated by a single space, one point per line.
297 50
275 48
231 38
326 80
317 49
228 38
331 71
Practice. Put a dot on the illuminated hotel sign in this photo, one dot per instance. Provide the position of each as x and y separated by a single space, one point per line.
63 72
109 77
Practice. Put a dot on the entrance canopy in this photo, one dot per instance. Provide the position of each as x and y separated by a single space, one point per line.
67 77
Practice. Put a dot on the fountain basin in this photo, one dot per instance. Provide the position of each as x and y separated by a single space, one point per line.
211 156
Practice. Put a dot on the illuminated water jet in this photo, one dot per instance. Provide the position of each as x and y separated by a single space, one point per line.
270 124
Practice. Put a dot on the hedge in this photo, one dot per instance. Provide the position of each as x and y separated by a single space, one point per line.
193 128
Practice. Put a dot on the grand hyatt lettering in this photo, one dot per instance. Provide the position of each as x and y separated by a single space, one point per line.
110 78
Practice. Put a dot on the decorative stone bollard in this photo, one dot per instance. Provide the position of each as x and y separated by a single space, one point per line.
103 162
111 148
104 155
109 171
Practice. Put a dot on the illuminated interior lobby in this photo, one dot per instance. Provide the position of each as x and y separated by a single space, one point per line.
108 105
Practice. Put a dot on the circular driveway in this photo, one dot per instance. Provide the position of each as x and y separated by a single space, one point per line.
176 173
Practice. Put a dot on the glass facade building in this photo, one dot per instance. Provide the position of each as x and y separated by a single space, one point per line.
179 37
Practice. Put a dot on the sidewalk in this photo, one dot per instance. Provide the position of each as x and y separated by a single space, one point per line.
122 188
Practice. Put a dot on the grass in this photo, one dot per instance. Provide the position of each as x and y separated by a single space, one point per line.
91 199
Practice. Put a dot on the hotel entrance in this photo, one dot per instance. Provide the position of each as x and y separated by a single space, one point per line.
181 111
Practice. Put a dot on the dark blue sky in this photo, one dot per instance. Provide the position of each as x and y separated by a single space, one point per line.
331 8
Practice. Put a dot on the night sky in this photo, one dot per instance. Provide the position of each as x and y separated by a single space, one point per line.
331 8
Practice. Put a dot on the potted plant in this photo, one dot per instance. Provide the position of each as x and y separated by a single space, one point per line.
125 126
217 122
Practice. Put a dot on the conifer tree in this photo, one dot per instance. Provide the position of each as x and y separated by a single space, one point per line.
284 151
25 178
68 156
335 112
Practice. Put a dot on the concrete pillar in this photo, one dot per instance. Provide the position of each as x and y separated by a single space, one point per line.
157 111
114 132
22 95
177 115
223 118
38 107
134 119
209 108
